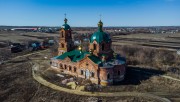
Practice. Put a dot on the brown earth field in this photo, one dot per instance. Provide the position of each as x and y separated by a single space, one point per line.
151 39
21 36
18 85
165 41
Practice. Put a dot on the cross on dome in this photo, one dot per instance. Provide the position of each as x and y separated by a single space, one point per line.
65 20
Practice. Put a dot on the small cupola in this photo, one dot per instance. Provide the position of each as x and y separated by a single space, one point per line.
65 20
65 26
100 26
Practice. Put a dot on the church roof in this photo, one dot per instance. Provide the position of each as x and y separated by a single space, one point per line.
95 59
74 55
100 36
77 55
66 27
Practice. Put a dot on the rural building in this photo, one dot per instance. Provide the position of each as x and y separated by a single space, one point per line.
24 29
99 64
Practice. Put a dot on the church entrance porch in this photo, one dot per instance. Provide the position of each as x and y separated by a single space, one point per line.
87 74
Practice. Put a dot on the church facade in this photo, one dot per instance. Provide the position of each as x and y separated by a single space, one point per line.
99 64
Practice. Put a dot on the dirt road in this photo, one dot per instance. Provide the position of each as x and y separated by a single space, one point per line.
115 94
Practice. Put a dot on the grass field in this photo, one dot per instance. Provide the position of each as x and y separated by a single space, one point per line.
20 37
17 84
166 41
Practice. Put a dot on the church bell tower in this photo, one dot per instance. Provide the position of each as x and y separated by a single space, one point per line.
65 42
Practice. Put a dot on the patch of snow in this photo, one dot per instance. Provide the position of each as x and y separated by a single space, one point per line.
60 75
64 81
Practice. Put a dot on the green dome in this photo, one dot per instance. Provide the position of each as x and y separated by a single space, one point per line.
66 27
100 36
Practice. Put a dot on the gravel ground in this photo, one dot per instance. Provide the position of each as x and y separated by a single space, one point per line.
17 85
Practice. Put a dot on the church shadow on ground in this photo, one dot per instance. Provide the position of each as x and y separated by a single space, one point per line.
135 75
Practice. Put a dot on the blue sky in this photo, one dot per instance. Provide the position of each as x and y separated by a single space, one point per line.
86 12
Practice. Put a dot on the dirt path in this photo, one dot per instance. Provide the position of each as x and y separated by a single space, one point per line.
169 77
115 94
24 56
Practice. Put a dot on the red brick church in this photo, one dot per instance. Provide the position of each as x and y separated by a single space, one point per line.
99 64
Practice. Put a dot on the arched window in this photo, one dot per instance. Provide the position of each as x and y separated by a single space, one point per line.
69 34
70 68
62 34
74 69
102 47
94 46
61 66
62 45
108 76
65 67
82 72
119 72
92 74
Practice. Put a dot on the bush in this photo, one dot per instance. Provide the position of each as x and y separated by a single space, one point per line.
147 56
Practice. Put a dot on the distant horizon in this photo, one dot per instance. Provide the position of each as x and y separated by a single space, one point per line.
85 26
